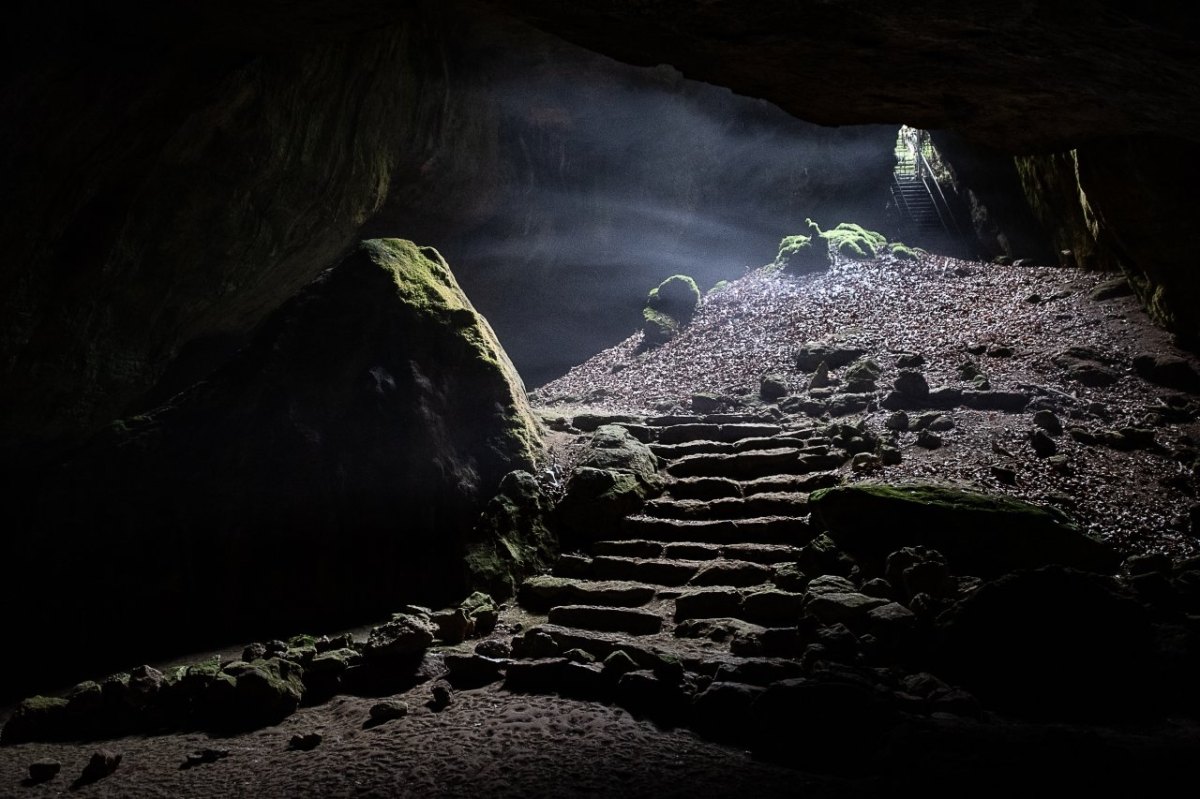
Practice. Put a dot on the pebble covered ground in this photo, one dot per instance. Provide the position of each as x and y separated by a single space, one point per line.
1009 321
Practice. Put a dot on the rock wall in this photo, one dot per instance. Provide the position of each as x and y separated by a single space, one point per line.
1123 203
332 470
165 190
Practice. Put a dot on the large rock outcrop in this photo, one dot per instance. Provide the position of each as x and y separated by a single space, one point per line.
336 466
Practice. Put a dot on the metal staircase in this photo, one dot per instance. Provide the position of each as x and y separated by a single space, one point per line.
923 210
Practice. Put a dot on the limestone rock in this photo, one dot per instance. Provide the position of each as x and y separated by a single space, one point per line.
403 635
350 445
615 476
979 534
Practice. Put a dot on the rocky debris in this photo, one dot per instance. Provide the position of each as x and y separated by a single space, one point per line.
1043 445
388 710
1170 371
928 439
1111 289
980 534
305 742
1087 365
103 762
911 383
772 388
1048 421
441 695
820 378
43 771
834 355
263 692
405 634
203 757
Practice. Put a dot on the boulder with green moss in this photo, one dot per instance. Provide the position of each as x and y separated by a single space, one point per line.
669 308
512 538
340 460
39 718
980 534
615 476
854 241
804 254
264 692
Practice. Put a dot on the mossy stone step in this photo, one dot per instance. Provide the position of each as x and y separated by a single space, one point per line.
758 505
543 592
731 573
658 571
606 619
793 530
680 433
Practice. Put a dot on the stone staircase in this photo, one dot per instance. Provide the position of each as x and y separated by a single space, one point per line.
700 586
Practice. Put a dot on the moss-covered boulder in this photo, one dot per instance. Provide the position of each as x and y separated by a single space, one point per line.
39 718
264 692
980 534
512 538
669 308
854 241
614 478
335 468
802 255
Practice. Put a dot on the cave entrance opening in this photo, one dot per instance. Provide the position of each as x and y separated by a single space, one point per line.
924 193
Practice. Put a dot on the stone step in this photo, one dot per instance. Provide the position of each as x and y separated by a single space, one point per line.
704 488
789 484
765 606
791 530
541 593
658 571
672 452
704 431
768 554
709 488
726 572
596 643
606 619
756 463
764 504
629 548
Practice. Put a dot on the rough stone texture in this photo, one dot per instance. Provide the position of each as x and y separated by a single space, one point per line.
335 467
772 49
979 534
615 476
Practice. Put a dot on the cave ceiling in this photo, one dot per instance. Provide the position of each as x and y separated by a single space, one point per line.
1022 77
